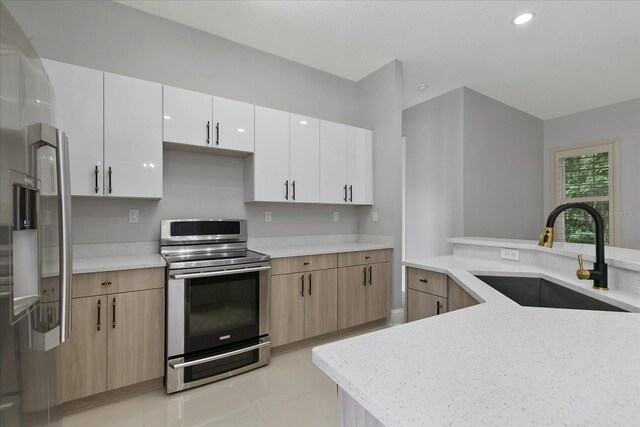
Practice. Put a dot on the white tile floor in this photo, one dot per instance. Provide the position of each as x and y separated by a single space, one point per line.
290 391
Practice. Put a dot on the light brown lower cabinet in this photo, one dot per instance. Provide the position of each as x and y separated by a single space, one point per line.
116 339
364 293
303 305
422 304
458 297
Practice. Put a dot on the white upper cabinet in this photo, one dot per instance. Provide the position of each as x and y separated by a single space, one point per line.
270 162
304 158
360 167
187 117
132 137
333 162
232 125
79 113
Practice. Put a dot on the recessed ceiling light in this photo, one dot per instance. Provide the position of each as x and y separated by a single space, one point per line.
167 117
422 88
303 122
240 130
523 18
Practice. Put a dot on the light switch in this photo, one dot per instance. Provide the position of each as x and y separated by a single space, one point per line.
267 216
374 216
134 216
336 216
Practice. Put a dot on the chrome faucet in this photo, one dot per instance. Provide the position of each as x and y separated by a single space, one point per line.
599 272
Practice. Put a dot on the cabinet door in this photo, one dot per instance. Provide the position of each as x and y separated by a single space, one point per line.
360 169
79 110
271 158
82 360
186 117
333 162
352 296
422 304
132 137
378 291
135 337
321 302
304 158
233 125
287 308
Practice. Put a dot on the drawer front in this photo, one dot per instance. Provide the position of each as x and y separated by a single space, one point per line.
427 281
348 259
300 264
421 305
112 282
458 296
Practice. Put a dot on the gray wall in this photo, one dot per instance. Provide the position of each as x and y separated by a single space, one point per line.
502 169
380 109
621 121
119 39
434 179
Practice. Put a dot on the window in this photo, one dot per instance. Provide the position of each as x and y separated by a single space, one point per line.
585 174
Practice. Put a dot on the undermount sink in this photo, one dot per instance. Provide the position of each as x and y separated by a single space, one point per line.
536 292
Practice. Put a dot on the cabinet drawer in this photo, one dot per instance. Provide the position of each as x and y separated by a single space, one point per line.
427 281
348 259
302 263
113 282
458 297
421 305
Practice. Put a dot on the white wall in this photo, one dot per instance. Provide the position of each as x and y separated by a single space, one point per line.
434 180
621 121
502 169
380 109
115 38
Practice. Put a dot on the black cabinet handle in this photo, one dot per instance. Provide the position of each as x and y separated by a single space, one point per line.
364 276
424 280
97 171
218 133
351 193
113 313
369 274
293 186
99 307
309 284
345 192
438 307
302 285
286 190
110 189
208 132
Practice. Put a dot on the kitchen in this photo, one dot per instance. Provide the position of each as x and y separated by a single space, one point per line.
180 119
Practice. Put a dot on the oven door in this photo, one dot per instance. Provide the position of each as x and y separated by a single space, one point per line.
207 310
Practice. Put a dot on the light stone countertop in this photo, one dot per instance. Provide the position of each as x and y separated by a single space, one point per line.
113 263
318 249
496 363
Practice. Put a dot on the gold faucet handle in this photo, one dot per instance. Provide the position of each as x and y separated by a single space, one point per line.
582 273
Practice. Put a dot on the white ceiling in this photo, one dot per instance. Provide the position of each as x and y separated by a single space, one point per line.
575 55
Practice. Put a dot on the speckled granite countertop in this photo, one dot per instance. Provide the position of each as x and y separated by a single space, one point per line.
496 363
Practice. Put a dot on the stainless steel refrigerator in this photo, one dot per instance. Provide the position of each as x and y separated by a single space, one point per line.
35 237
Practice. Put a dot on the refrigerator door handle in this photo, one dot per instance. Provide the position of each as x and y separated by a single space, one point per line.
64 194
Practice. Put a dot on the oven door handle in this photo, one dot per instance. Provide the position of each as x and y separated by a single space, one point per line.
218 273
182 365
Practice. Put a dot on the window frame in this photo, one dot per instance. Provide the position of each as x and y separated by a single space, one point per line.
610 146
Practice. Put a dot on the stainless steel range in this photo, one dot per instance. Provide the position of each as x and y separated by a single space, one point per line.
217 302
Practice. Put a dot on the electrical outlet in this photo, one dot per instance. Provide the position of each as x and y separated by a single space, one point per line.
336 216
134 216
512 254
374 216
267 216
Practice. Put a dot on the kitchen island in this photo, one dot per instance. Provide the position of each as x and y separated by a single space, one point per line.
496 363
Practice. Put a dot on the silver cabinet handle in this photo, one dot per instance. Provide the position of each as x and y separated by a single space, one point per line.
217 273
174 365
